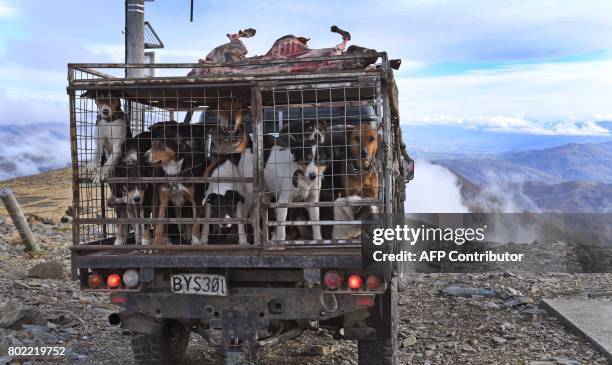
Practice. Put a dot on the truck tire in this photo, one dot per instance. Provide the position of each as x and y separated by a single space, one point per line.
167 347
383 349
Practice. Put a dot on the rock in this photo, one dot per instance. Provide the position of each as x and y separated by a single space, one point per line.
8 341
35 218
323 350
19 285
465 291
15 315
556 361
41 334
467 348
499 340
510 292
517 301
429 353
409 341
47 270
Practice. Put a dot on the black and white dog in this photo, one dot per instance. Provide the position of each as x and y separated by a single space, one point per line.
133 198
292 174
111 131
225 200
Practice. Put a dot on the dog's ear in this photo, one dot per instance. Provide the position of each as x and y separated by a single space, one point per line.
89 94
210 198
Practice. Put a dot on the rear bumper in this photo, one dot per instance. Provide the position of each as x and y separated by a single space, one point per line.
262 304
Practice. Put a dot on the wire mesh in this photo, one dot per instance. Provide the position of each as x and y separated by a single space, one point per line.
181 164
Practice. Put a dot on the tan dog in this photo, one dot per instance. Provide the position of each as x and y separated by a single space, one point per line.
359 177
359 181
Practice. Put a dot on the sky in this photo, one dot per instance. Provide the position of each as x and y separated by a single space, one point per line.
513 66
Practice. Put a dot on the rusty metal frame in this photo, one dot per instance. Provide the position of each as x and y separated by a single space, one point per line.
257 84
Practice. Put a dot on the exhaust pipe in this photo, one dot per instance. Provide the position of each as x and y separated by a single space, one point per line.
114 319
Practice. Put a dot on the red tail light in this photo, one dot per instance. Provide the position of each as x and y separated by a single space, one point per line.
95 281
113 281
332 279
354 281
373 282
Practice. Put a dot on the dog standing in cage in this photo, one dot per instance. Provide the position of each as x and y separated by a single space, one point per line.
293 173
224 199
359 178
133 198
178 153
110 133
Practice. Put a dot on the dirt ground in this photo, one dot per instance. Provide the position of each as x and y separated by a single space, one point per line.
507 327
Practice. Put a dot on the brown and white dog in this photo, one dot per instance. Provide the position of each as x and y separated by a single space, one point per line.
359 179
177 155
110 133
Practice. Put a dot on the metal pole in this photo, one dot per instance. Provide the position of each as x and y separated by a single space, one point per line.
134 36
19 220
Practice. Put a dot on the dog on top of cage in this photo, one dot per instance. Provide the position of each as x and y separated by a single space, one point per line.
292 174
224 199
110 133
174 152
359 179
133 198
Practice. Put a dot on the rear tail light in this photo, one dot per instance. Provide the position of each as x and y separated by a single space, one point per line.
332 279
113 281
131 278
373 282
354 281
95 281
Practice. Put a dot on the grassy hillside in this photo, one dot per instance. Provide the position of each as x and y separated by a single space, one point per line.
47 194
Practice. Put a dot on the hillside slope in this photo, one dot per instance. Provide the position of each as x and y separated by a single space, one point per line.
47 194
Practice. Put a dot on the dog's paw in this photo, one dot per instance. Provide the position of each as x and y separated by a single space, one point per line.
145 242
119 241
91 167
242 240
195 240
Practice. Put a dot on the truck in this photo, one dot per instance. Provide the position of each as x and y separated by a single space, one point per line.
251 295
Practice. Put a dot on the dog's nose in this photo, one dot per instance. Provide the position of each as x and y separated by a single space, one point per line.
312 176
137 199
364 154
105 112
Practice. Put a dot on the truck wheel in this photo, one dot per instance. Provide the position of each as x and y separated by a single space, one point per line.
167 347
383 349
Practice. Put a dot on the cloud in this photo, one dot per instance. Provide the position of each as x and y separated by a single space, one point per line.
546 98
30 149
507 124
433 190
8 11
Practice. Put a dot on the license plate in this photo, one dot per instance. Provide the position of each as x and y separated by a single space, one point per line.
200 284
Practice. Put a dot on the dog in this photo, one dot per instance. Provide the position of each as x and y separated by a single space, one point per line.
294 174
111 131
305 130
133 198
224 199
173 149
358 176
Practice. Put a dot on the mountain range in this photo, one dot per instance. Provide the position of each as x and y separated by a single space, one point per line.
568 178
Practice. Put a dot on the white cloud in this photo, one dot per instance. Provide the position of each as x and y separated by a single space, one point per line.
548 98
433 178
7 10
501 123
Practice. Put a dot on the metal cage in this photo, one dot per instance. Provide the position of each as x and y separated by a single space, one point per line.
325 140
